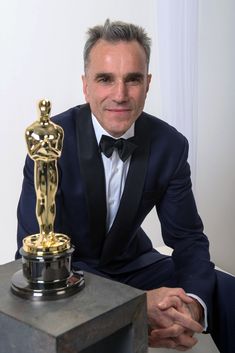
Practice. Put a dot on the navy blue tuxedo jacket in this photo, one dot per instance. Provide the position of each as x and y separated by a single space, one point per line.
159 176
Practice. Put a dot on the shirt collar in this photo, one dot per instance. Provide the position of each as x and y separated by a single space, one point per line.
99 130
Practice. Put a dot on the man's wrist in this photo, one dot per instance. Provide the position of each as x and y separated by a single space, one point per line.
197 311
203 321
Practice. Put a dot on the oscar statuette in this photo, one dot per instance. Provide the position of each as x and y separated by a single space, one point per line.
46 257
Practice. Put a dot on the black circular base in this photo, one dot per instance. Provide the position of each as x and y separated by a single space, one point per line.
46 277
47 290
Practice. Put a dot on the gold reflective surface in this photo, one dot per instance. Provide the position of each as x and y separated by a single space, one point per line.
44 141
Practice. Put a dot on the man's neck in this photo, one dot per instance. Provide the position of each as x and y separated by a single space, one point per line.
99 130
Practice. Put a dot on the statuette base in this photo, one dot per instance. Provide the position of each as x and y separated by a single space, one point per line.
47 277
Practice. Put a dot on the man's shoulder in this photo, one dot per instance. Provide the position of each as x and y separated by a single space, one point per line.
160 129
70 115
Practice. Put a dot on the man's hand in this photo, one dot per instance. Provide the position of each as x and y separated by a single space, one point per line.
173 318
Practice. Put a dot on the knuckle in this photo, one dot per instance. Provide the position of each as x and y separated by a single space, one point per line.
186 341
177 331
181 291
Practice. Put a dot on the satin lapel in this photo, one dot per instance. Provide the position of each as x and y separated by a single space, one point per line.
119 233
92 171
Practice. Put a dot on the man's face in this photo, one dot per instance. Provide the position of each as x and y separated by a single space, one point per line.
116 83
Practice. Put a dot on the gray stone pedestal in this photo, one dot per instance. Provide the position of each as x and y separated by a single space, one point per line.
105 317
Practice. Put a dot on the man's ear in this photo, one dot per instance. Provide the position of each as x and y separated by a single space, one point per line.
85 88
149 77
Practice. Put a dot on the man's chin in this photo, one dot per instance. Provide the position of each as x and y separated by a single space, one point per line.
117 131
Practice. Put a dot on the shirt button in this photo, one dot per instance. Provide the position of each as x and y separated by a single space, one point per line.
111 202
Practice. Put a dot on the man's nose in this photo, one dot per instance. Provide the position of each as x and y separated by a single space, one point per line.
120 92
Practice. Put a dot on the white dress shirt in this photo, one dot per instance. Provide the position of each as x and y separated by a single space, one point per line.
115 173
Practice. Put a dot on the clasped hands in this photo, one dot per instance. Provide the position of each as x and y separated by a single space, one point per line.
173 318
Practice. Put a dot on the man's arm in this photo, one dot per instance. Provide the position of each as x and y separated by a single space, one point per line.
174 317
182 230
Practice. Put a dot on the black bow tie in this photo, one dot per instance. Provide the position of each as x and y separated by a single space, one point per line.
124 147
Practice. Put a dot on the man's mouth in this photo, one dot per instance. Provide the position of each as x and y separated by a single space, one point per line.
118 110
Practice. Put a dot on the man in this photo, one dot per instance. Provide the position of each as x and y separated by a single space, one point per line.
104 194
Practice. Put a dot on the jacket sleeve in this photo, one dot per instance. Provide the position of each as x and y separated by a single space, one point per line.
182 230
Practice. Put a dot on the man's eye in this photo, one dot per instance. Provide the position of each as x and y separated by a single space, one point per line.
134 80
104 79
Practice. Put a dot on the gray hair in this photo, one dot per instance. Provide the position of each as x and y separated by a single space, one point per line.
115 32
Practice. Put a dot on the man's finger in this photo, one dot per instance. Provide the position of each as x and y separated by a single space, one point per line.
184 320
185 340
172 301
182 343
169 332
172 293
163 343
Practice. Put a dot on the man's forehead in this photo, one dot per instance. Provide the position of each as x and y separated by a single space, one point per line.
114 59
116 48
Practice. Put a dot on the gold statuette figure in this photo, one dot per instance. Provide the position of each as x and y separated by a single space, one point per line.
47 256
44 142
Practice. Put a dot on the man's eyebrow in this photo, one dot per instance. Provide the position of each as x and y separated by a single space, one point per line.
103 74
134 75
127 77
